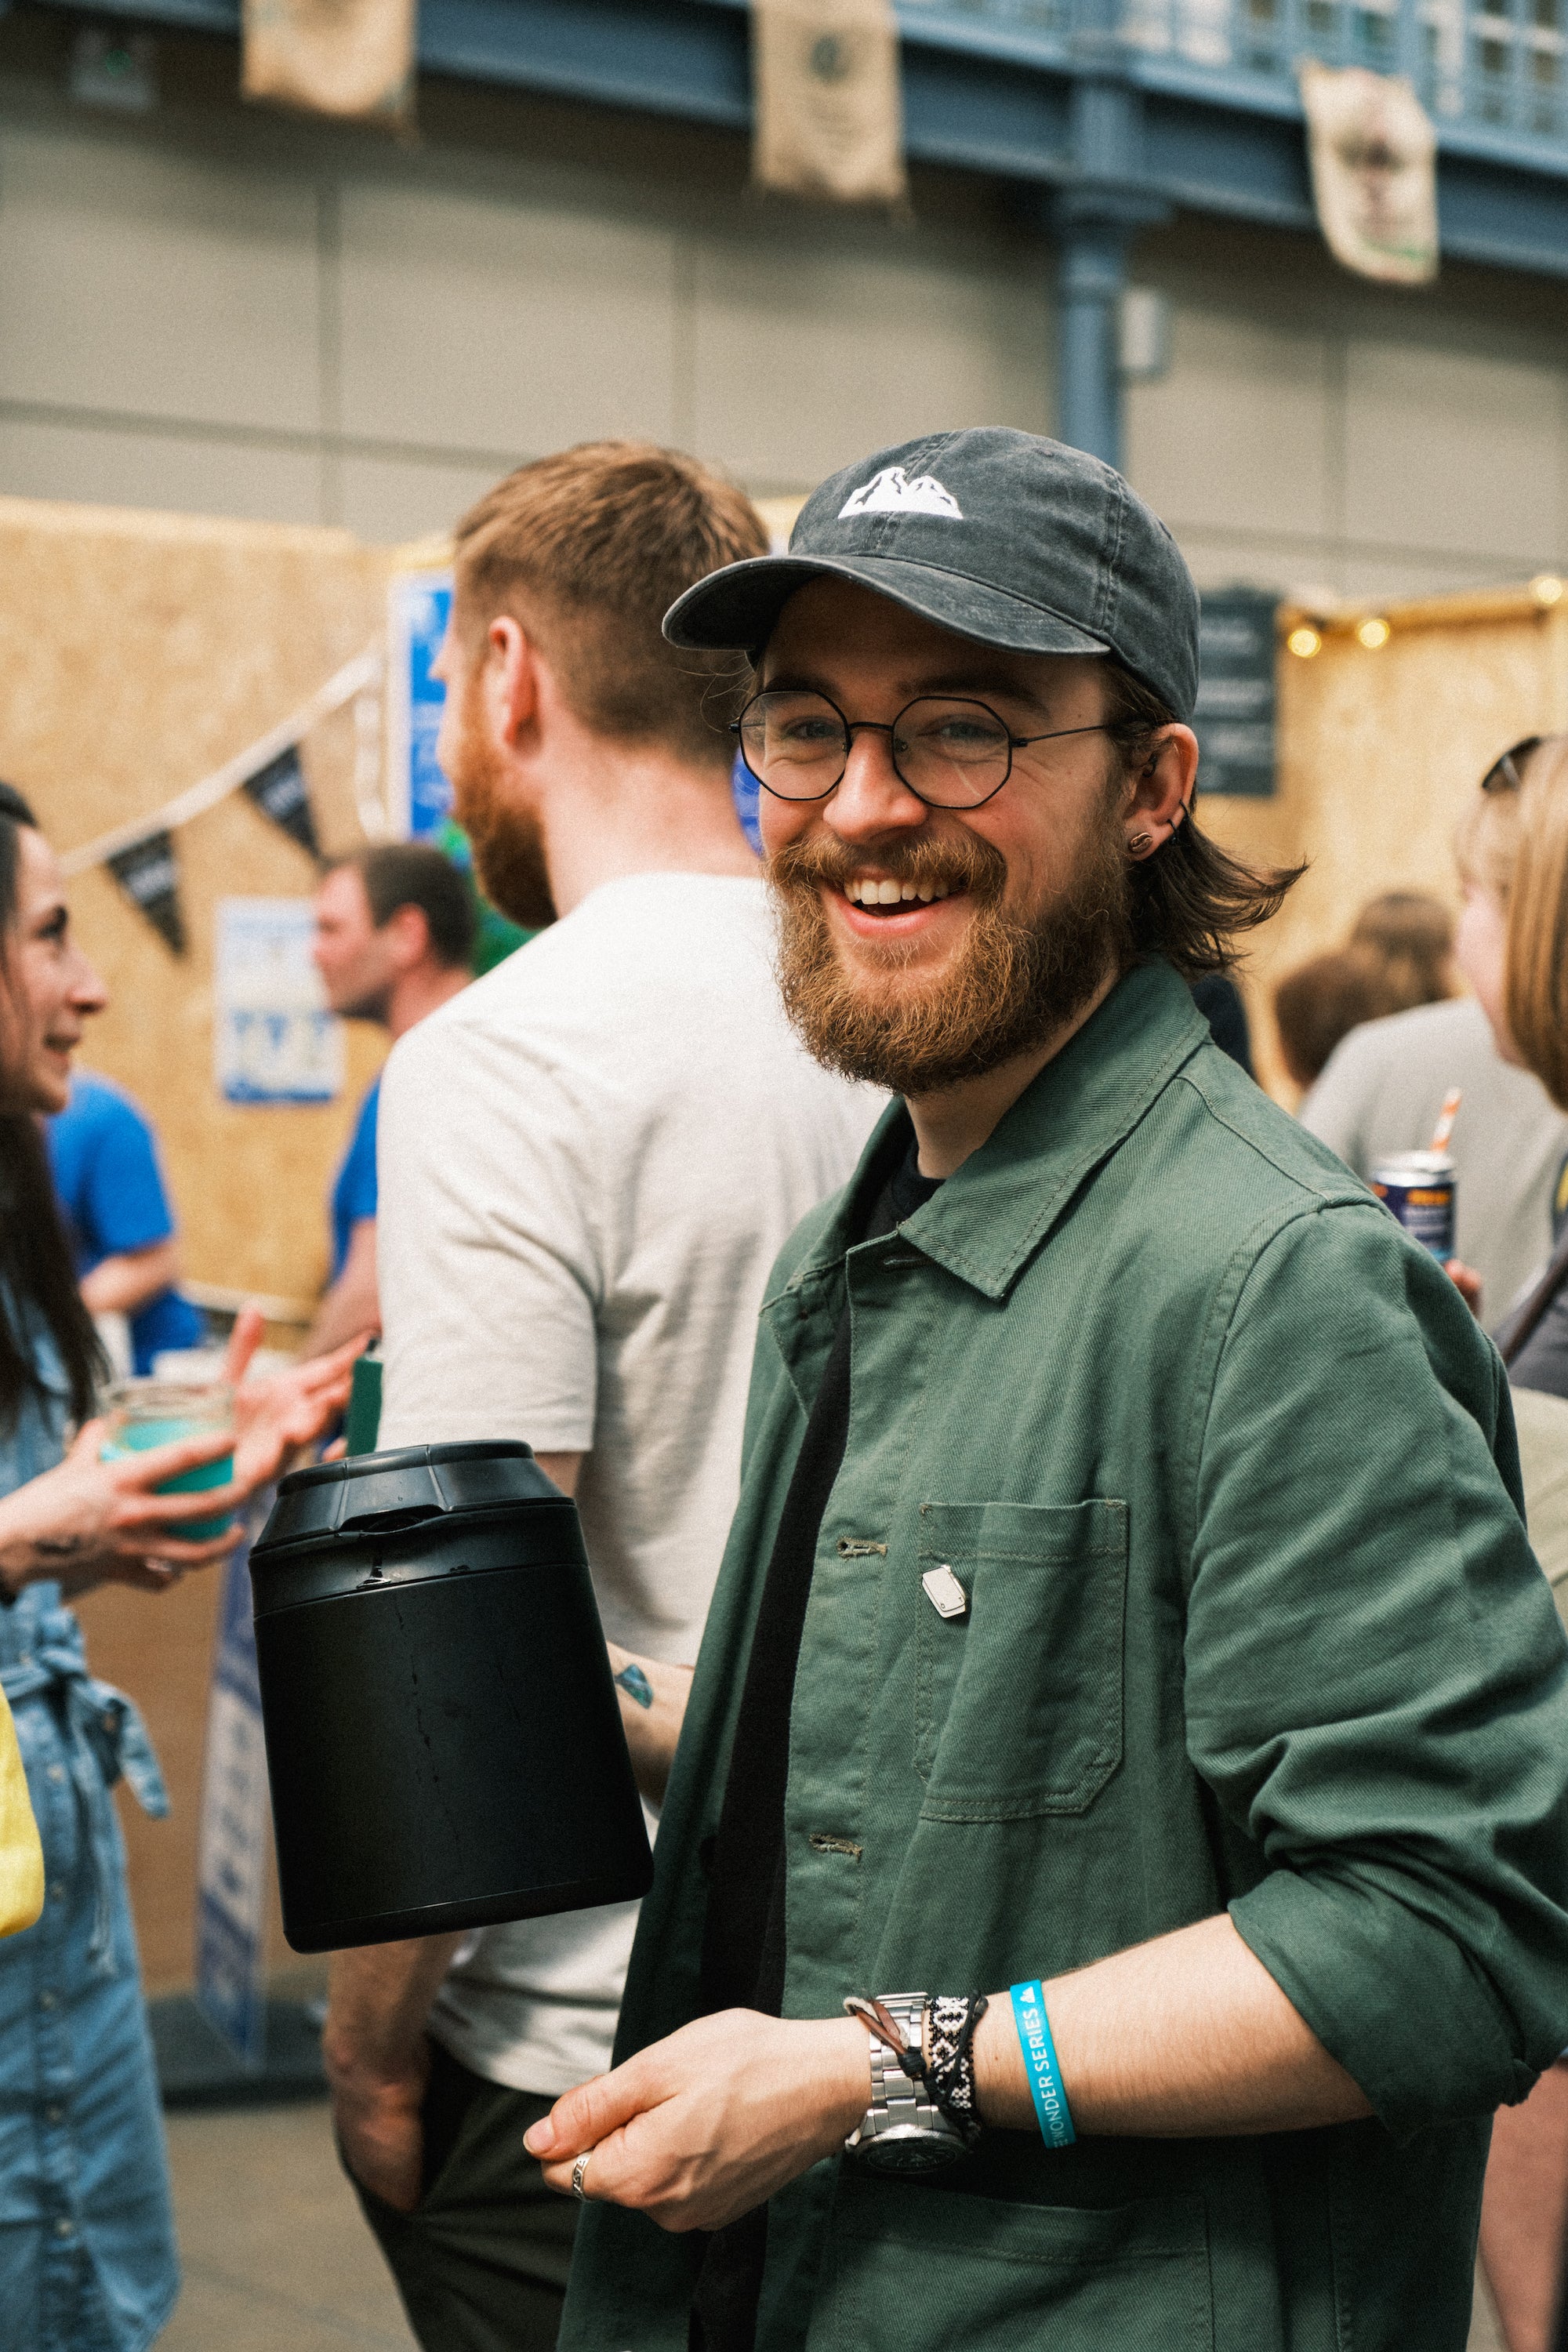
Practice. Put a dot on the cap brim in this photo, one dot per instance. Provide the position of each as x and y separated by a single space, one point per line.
736 609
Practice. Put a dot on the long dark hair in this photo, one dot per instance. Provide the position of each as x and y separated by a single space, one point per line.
1189 901
36 1276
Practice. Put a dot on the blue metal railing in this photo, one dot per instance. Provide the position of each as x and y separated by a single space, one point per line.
1493 74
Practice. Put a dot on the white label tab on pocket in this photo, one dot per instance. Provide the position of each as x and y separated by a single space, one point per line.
944 1592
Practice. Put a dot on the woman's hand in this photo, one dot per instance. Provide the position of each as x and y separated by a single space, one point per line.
85 1520
273 1418
1466 1282
699 2128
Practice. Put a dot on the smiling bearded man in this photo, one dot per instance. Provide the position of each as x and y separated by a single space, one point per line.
1128 1603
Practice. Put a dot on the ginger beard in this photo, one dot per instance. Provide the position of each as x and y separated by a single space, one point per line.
1018 977
507 841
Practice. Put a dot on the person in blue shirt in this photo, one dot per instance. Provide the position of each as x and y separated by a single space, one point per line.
104 1158
395 932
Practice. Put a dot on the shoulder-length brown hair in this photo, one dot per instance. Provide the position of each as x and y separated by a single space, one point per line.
1191 900
1535 976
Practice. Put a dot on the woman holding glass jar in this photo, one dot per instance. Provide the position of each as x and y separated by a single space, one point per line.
87 2252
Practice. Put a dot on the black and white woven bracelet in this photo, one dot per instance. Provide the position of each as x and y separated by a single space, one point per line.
950 2021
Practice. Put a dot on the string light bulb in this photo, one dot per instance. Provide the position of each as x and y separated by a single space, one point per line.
1304 642
1546 589
1374 633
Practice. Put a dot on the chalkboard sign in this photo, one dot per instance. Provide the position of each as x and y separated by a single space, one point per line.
1234 715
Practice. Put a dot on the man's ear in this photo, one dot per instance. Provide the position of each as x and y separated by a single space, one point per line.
1162 789
509 681
408 933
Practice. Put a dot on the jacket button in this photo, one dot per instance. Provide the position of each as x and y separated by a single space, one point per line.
46 2001
64 2228
57 1773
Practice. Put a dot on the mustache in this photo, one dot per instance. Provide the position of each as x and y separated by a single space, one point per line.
965 863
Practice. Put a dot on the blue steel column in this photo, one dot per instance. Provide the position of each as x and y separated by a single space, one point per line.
1095 217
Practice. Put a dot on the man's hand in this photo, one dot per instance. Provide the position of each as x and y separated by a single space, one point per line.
380 2129
377 2060
702 2127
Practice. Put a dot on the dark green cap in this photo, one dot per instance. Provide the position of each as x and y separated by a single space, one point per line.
1002 536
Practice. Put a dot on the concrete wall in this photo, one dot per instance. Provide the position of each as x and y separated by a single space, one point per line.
215 308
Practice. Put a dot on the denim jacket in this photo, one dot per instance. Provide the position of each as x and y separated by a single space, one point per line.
87 2252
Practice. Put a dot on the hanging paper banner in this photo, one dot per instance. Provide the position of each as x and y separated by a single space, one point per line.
350 58
149 875
828 100
232 1856
1374 172
280 791
418 797
354 682
274 1040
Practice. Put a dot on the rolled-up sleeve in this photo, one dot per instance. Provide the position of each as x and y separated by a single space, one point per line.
1377 1682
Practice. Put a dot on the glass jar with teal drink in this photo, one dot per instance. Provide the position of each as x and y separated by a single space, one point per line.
145 1412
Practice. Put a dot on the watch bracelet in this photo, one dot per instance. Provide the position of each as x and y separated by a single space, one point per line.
950 2020
905 2087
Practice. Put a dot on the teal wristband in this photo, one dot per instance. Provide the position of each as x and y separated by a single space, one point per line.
1041 2062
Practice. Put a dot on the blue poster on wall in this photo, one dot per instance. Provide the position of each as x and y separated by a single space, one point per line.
418 606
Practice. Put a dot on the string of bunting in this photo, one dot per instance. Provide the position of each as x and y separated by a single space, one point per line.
141 854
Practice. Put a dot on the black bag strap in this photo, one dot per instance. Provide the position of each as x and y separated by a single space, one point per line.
1522 1324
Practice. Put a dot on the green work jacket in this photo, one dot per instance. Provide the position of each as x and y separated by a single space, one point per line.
1228 1474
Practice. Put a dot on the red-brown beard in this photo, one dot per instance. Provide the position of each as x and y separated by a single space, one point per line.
507 841
1012 984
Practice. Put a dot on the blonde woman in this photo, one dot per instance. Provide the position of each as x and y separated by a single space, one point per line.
1512 946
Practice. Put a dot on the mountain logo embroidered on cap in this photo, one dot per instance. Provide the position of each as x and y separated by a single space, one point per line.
892 492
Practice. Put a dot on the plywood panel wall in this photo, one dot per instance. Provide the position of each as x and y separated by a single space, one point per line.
138 652
1380 751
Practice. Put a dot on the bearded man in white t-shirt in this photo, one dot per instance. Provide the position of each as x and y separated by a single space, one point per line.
588 1162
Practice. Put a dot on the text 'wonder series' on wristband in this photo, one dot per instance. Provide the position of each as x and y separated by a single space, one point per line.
1040 2060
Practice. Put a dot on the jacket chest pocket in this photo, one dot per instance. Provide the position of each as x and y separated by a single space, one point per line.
1018 1700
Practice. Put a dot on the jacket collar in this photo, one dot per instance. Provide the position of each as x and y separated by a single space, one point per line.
991 1217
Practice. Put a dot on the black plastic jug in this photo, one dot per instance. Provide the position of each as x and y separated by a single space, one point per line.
443 1739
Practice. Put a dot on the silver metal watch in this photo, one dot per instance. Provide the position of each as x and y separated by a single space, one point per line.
902 2130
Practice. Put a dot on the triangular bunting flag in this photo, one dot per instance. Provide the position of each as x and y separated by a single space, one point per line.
149 874
280 791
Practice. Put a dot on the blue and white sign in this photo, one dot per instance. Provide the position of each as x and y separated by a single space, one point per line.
274 1040
419 798
236 1831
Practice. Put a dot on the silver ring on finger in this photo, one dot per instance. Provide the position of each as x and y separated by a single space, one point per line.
579 2172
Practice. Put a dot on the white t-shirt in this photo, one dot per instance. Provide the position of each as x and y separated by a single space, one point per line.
587 1163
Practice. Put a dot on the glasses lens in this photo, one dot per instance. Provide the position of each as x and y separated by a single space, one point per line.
1503 775
794 743
953 754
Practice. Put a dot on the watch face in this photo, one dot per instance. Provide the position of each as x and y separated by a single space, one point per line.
908 2148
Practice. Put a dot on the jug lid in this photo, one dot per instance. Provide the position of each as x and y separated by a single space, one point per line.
378 1493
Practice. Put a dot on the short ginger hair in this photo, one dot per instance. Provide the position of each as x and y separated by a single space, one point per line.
587 551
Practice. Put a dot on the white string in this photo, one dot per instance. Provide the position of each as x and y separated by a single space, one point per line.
355 677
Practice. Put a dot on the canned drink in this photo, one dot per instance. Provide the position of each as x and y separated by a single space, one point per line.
1419 1189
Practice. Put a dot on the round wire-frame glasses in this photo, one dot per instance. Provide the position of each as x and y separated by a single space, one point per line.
949 750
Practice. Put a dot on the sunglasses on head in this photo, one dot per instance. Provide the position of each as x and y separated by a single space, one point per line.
1503 775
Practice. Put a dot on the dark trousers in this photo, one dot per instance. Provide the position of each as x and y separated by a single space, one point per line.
481 2262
